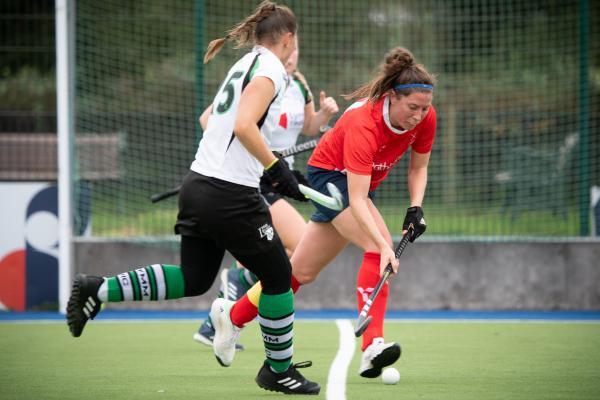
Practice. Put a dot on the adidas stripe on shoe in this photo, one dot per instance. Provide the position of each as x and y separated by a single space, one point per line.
290 381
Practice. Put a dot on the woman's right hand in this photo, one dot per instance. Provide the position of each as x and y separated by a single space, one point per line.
283 180
388 257
327 104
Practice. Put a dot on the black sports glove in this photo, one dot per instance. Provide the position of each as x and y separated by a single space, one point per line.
414 217
283 180
300 178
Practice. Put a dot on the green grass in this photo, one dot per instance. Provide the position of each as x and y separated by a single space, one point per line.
129 213
158 360
158 220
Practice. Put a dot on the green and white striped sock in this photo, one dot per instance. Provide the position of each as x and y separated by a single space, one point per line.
276 319
154 282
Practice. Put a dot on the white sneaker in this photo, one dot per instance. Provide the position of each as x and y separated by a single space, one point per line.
377 356
226 334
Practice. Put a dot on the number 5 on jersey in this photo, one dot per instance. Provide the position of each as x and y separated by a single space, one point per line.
229 91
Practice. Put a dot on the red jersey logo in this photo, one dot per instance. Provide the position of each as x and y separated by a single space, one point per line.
283 122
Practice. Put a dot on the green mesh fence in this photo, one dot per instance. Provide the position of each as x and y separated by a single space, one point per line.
518 143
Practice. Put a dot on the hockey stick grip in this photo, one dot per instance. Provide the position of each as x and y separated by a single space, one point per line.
155 198
297 149
388 269
402 244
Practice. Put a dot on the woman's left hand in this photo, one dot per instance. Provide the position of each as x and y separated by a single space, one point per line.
415 218
388 257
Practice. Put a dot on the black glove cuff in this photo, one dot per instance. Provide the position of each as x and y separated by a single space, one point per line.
415 217
283 180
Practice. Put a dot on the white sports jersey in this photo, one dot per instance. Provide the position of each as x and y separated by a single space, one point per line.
291 121
220 154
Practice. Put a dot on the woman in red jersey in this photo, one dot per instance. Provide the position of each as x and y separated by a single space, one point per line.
394 113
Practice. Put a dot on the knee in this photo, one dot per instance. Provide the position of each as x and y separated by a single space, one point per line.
371 247
276 280
304 278
195 287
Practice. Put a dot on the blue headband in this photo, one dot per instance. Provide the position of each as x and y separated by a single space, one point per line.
413 86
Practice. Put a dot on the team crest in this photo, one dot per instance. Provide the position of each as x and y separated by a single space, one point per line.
266 230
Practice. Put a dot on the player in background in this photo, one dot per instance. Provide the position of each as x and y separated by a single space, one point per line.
394 113
298 116
220 207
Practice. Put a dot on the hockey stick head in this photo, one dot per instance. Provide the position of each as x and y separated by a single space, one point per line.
332 202
336 195
361 324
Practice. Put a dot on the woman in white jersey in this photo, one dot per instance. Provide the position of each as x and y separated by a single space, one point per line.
297 116
220 207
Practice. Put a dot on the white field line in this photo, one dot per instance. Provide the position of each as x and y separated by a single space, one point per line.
336 381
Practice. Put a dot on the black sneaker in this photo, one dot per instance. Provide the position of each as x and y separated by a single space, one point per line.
288 382
83 303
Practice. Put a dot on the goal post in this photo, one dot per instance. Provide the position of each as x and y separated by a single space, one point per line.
64 107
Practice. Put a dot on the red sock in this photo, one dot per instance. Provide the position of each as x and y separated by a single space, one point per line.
243 311
368 276
295 284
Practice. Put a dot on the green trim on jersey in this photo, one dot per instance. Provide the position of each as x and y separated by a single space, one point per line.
255 65
303 90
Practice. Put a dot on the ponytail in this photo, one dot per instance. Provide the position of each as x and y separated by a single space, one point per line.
267 23
213 48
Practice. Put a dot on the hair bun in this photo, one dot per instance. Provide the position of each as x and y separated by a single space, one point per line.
398 58
265 10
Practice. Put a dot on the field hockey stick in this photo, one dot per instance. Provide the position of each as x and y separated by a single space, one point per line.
155 198
292 151
364 319
333 202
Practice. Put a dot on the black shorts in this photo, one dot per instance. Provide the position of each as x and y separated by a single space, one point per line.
269 194
234 216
